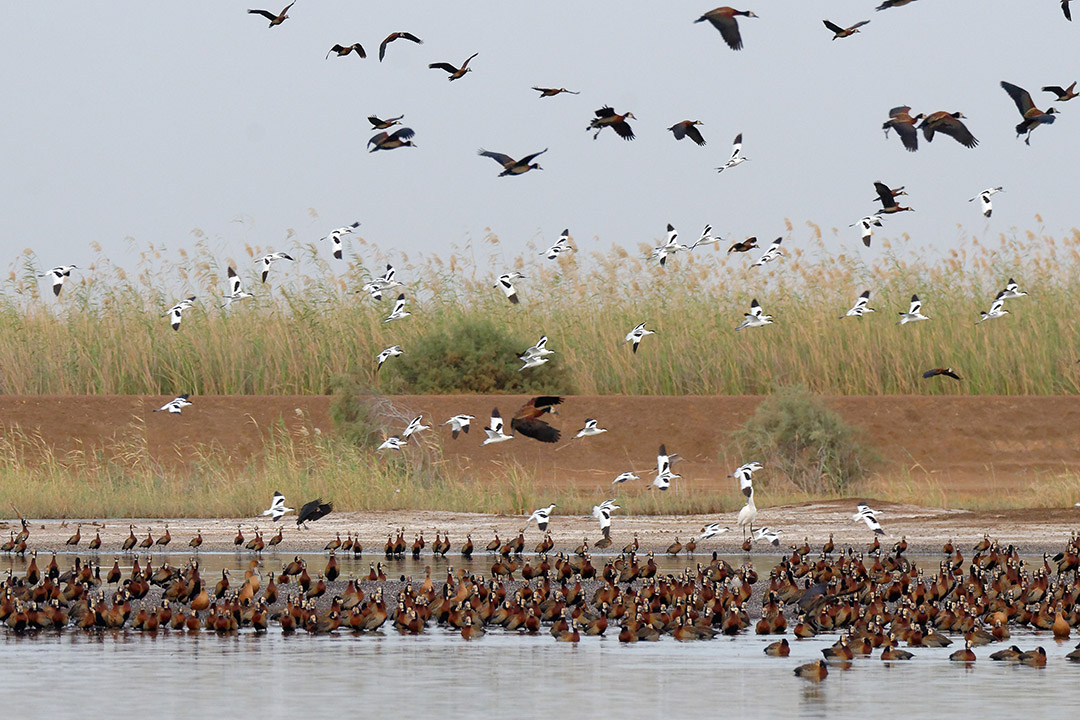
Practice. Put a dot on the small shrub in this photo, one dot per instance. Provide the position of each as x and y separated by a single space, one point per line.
352 412
794 433
474 355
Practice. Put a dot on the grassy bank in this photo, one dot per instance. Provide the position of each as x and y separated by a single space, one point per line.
307 326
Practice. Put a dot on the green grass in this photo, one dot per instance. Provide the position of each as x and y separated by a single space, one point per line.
303 331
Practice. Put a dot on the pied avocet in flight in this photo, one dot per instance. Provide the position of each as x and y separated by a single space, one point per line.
664 475
236 289
561 245
861 306
755 318
745 475
590 429
770 254
399 311
459 424
394 443
635 336
867 225
268 260
869 516
997 309
277 508
506 283
59 275
706 238
984 199
542 516
737 158
415 425
379 285
175 313
914 313
392 351
624 477
1012 291
176 405
494 430
335 236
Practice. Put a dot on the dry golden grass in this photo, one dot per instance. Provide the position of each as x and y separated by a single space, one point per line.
106 334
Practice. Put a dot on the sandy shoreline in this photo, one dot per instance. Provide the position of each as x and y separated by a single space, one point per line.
926 529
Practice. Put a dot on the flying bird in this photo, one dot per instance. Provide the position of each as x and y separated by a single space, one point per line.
984 199
552 92
274 19
59 275
455 72
277 508
770 254
737 158
861 306
377 123
399 312
542 516
590 429
527 420
268 260
839 32
687 128
767 534
868 516
712 530
948 372
415 425
637 334
887 198
176 312
903 123
607 117
723 19
393 443
624 477
312 511
997 309
706 238
893 3
755 318
602 513
561 245
867 225
236 289
540 348
335 236
388 141
494 430
670 247
392 351
459 424
948 124
664 474
377 286
914 313
1063 94
745 475
343 50
512 166
1012 291
176 405
397 36
532 361
1033 116
746 245
506 283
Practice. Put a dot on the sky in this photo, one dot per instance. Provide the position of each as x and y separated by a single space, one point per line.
134 120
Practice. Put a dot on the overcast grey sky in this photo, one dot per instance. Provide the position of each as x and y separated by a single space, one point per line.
145 120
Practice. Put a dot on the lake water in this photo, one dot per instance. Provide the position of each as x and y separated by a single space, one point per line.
502 674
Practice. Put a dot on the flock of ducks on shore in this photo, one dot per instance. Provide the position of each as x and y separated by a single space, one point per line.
874 606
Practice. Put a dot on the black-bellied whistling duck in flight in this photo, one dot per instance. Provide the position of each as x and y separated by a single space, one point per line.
607 117
274 19
723 19
388 141
839 32
949 124
1033 116
380 124
456 73
396 36
903 123
1063 94
527 422
552 92
343 50
686 129
512 166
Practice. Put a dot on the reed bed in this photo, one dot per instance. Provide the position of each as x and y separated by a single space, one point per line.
308 326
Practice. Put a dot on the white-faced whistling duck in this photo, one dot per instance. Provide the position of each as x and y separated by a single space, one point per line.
512 166
274 19
888 199
839 32
397 36
815 671
379 124
893 3
1033 116
196 541
1063 94
387 141
949 124
966 655
239 539
723 19
674 548
74 539
343 50
148 541
455 72
316 509
277 538
129 543
95 544
687 128
745 246
780 648
607 117
467 548
527 422
904 124
552 92
165 539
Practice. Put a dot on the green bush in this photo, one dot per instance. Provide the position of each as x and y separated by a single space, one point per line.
474 355
793 433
